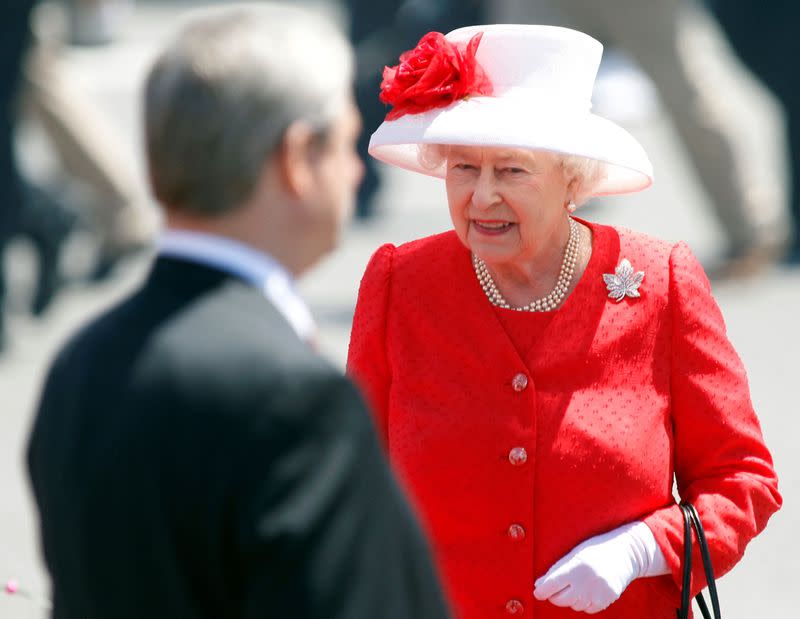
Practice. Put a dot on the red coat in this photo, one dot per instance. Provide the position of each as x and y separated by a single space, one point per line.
611 401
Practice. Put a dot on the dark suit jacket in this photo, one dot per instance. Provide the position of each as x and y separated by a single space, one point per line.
191 457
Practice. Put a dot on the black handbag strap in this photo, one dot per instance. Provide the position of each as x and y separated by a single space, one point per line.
683 612
692 520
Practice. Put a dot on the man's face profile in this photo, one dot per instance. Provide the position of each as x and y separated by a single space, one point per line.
340 171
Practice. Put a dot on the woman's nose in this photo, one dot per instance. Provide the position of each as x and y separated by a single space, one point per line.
485 193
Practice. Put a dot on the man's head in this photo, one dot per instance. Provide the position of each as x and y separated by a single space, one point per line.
250 129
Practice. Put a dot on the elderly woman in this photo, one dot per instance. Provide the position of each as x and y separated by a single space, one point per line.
539 380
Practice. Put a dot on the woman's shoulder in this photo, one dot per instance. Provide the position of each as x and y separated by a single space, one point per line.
667 265
413 254
662 262
636 246
429 246
640 242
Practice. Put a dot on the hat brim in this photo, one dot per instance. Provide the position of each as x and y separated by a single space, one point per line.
507 122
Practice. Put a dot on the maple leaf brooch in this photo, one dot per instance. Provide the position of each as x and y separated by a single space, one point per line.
624 282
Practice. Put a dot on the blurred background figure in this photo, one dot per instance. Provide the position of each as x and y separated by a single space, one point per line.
650 33
25 209
95 181
92 158
92 162
96 22
764 34
380 30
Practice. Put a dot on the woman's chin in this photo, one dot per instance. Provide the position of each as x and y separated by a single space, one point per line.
488 245
492 255
491 248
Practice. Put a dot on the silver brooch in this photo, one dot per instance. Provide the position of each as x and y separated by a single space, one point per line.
624 282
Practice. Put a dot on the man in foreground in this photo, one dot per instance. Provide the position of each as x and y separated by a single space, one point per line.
192 456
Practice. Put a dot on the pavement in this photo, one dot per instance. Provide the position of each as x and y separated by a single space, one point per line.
761 311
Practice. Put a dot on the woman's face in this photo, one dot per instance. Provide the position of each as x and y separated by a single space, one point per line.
507 204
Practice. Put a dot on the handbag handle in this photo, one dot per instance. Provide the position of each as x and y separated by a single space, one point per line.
692 520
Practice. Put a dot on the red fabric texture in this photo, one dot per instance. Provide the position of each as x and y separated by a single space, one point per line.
620 398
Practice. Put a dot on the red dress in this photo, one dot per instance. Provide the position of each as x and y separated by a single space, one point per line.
520 435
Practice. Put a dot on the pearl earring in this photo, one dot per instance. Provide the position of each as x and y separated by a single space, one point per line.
571 206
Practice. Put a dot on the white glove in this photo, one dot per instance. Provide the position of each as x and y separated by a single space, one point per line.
595 573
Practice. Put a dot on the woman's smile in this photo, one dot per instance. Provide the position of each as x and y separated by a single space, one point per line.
492 227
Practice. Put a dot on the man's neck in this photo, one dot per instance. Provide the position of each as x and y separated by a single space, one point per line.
237 227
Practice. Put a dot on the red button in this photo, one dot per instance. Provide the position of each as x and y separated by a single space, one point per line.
514 607
519 382
516 532
518 456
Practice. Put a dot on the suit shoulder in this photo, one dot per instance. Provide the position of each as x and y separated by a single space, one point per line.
235 334
98 333
220 346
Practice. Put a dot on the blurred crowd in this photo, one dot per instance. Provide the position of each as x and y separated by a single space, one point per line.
97 191
93 187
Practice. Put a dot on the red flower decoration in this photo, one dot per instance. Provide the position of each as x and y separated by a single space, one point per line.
432 75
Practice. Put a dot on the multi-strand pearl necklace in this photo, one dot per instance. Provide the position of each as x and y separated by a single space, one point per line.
552 300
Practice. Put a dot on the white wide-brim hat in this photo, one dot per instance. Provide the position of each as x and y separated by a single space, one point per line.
542 78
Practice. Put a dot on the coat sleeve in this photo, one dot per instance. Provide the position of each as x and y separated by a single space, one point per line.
721 463
324 531
367 359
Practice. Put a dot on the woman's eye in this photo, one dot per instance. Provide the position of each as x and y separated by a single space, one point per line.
513 170
464 166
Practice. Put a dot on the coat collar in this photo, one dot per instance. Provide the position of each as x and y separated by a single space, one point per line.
256 268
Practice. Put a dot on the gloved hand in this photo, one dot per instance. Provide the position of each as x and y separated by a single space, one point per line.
594 574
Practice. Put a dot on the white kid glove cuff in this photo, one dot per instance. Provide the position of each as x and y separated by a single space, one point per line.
650 558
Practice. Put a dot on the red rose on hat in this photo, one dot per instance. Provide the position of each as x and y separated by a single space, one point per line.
432 75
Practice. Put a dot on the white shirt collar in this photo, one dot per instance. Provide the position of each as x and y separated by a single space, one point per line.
256 268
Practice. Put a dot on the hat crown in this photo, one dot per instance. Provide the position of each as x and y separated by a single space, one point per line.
542 81
550 65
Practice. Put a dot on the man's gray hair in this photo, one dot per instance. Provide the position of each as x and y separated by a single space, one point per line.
219 99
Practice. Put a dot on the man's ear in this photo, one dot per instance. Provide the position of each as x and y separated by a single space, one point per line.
295 160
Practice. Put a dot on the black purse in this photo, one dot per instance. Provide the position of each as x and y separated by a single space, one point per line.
691 519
